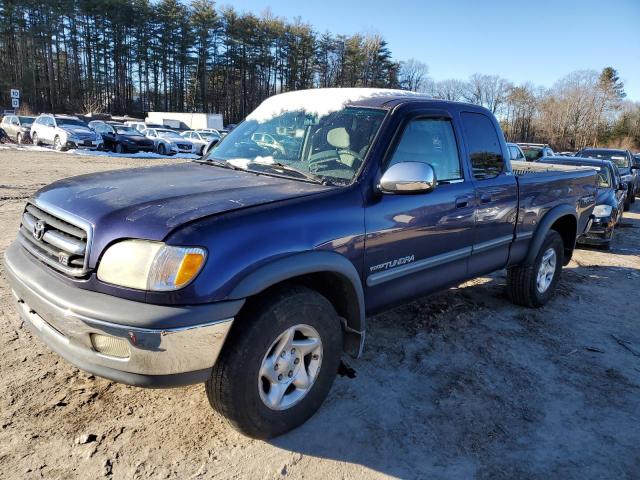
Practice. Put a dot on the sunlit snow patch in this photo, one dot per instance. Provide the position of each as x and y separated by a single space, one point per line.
318 101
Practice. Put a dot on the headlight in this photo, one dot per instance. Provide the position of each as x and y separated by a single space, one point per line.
147 265
72 138
602 210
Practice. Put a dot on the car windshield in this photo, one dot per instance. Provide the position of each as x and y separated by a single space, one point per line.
302 145
70 122
169 134
128 131
532 153
26 120
208 135
616 156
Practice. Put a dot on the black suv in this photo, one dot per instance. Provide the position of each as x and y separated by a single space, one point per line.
121 138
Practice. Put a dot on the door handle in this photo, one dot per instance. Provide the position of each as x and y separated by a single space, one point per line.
485 198
462 202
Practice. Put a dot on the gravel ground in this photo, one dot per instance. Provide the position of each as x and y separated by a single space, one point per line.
458 385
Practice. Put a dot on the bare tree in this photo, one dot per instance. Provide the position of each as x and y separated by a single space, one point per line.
413 75
490 91
450 89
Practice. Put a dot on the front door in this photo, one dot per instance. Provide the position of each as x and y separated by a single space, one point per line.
416 244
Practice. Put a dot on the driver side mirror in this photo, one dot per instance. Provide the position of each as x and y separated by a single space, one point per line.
408 178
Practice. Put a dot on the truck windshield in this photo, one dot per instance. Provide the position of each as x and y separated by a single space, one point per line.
532 153
604 180
330 147
616 156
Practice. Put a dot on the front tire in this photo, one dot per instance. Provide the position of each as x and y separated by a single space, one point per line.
533 285
19 139
161 150
57 144
35 140
119 148
278 364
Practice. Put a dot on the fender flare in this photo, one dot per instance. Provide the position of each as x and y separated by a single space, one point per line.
295 265
544 226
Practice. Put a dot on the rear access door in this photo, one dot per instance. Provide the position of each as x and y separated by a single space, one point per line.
496 193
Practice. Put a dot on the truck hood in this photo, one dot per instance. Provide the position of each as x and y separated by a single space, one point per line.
151 202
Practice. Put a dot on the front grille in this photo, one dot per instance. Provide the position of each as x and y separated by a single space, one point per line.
54 240
184 146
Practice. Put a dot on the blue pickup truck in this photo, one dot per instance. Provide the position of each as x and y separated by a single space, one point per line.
253 269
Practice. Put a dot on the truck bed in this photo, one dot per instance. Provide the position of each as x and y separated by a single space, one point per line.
542 187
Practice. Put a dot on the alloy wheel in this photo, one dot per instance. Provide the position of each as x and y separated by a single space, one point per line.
546 270
290 367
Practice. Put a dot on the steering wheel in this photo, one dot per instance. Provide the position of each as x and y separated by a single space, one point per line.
314 165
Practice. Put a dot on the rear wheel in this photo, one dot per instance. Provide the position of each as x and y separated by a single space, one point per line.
533 285
277 366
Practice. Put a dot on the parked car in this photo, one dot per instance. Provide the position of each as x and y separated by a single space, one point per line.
18 127
168 142
255 274
64 132
624 161
535 151
610 200
141 126
201 139
515 153
122 138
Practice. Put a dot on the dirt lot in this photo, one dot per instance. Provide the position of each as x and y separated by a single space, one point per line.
459 385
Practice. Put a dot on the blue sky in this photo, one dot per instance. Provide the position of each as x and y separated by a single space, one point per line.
535 40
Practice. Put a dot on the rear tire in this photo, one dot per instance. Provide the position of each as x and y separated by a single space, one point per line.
529 285
239 389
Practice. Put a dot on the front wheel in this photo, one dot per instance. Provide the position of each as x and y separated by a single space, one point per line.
119 148
57 144
278 364
161 149
19 139
35 139
533 285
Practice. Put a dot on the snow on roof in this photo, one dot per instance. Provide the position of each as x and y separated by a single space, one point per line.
319 101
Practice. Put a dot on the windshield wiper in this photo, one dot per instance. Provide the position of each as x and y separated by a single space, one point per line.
220 163
312 177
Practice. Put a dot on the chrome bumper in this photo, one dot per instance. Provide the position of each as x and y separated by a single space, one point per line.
52 309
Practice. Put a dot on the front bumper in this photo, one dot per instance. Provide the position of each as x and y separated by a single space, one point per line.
90 144
168 345
599 233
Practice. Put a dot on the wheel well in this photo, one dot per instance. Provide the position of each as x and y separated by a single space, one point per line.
334 287
567 228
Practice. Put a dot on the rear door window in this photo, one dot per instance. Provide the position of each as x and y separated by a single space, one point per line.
485 152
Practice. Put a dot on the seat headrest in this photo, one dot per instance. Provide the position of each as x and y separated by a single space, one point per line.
338 138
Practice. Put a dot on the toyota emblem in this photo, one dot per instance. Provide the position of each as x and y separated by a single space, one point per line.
38 229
